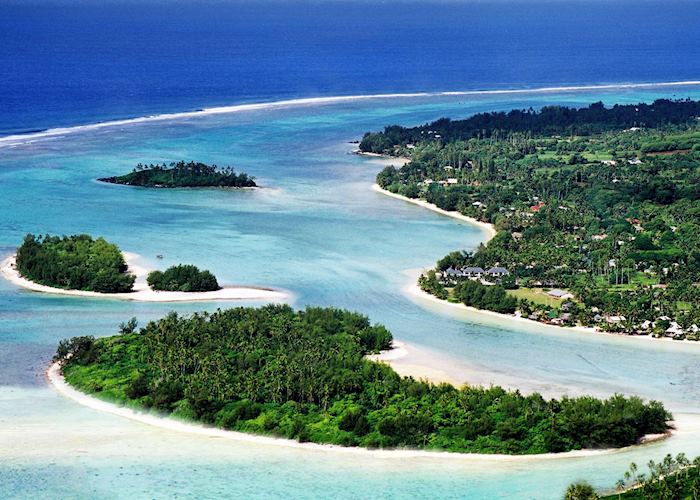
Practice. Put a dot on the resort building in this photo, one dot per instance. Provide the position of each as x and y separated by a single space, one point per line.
559 294
497 272
473 272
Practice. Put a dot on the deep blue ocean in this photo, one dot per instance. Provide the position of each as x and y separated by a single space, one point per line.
68 63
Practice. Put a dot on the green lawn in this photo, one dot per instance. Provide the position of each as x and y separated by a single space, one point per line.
536 295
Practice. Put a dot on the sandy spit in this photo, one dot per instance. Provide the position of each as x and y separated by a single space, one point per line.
142 292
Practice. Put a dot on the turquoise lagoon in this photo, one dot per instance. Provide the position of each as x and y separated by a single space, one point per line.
318 231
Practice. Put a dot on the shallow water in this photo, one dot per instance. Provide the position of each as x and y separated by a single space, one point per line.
317 230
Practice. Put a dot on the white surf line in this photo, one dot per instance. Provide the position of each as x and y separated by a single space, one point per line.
19 139
56 379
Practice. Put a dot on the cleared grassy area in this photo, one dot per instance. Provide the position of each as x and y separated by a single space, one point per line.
536 295
638 279
593 156
590 156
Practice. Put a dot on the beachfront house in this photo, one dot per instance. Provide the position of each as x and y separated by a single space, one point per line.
497 272
674 329
559 294
613 320
452 273
472 272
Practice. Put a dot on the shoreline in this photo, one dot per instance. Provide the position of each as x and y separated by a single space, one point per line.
57 132
142 293
58 382
389 160
403 359
487 228
413 290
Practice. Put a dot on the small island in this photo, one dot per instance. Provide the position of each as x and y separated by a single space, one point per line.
183 278
181 175
593 212
304 375
79 265
76 262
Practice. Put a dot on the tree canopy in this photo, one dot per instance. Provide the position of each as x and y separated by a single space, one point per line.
303 375
181 174
183 278
548 121
610 214
76 262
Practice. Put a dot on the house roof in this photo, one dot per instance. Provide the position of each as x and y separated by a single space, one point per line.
556 292
472 270
498 270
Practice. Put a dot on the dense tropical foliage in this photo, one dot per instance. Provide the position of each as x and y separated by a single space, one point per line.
607 213
181 174
304 375
183 278
549 121
673 478
76 262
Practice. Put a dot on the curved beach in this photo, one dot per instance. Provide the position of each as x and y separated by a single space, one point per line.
412 290
142 293
488 229
56 379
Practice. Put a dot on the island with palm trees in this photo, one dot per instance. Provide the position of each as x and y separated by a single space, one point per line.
180 174
80 265
304 375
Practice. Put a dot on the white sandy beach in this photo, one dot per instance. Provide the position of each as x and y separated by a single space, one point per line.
413 290
58 382
489 229
397 161
142 292
407 361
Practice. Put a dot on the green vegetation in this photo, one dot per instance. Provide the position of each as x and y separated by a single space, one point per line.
549 121
303 375
493 298
183 174
74 262
580 491
183 278
536 296
673 478
602 203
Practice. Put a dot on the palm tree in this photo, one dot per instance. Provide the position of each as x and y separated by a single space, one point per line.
620 486
580 491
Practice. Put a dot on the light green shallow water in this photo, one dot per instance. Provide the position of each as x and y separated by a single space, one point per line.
319 232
